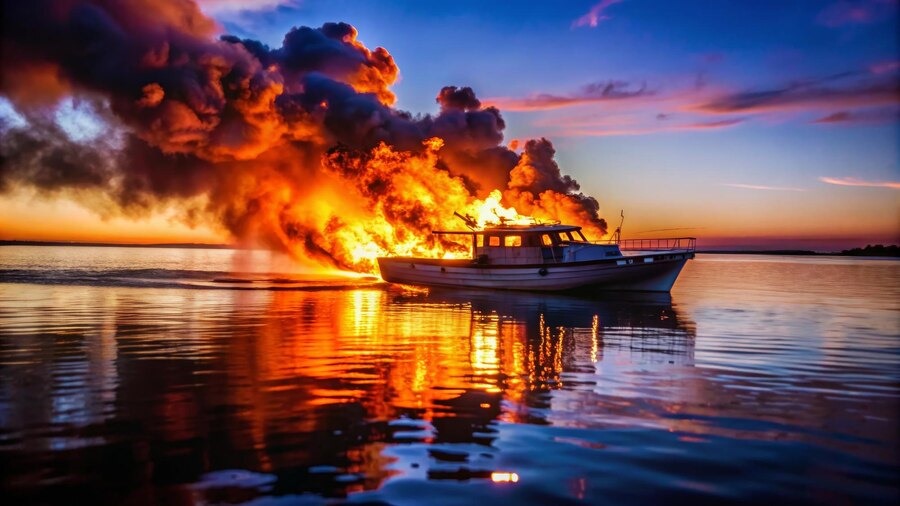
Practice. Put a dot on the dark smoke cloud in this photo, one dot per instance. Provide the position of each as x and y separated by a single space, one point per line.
180 91
231 120
43 157
463 99
538 172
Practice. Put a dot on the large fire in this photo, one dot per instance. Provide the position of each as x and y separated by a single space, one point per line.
389 201
295 148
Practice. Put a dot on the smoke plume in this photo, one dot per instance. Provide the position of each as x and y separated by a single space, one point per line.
297 147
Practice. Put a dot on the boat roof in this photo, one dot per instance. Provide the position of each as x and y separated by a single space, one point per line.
531 228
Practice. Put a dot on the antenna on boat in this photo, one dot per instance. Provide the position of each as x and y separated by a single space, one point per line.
618 233
470 221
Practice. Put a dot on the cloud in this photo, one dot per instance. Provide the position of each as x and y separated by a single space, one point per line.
214 7
857 12
656 230
837 117
618 107
848 89
602 91
852 181
885 67
594 16
725 123
762 187
861 117
630 123
713 58
463 99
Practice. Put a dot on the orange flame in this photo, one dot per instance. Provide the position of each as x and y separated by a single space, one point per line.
388 202
491 212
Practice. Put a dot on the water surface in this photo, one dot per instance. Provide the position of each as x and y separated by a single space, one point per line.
185 376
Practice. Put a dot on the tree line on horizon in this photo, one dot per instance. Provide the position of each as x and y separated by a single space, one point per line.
878 250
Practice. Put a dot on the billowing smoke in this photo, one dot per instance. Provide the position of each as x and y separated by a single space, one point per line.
296 147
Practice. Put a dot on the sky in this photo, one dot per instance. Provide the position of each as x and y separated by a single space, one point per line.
745 124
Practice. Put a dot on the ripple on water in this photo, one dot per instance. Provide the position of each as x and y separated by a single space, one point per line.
758 380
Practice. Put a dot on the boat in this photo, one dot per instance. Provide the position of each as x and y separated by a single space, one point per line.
546 256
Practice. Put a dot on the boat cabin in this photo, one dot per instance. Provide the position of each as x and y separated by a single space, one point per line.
535 244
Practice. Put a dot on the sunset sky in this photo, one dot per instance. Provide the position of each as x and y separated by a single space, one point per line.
745 124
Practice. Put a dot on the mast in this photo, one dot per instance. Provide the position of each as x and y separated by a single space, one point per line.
618 233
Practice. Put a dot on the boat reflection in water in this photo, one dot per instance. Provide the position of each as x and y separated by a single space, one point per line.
525 359
214 395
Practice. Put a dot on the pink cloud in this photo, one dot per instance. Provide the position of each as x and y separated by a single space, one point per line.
885 67
624 127
845 90
595 92
846 12
595 15
225 6
762 187
608 108
712 58
852 181
724 123
861 117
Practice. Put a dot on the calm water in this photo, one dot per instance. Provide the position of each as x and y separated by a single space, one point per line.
183 376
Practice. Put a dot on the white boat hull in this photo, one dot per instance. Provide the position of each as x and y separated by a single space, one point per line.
652 273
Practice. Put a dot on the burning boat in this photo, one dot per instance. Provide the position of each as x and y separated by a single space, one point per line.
546 256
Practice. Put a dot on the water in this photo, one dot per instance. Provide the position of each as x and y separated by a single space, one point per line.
187 376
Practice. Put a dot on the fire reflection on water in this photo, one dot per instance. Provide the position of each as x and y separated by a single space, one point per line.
287 382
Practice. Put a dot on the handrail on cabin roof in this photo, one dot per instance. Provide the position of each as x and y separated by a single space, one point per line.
512 229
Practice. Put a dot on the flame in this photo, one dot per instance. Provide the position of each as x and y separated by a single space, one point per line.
491 212
388 202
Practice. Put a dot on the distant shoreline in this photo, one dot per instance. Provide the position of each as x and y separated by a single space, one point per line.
781 252
878 250
791 252
868 251
189 245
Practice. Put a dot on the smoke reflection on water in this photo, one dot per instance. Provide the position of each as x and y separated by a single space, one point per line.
162 395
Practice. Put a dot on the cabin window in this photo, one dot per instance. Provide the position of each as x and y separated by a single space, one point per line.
531 240
494 240
479 241
581 236
545 239
512 241
567 236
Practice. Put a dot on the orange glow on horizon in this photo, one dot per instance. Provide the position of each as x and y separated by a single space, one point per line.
28 219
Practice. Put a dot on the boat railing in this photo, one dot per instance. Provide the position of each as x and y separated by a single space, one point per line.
688 244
